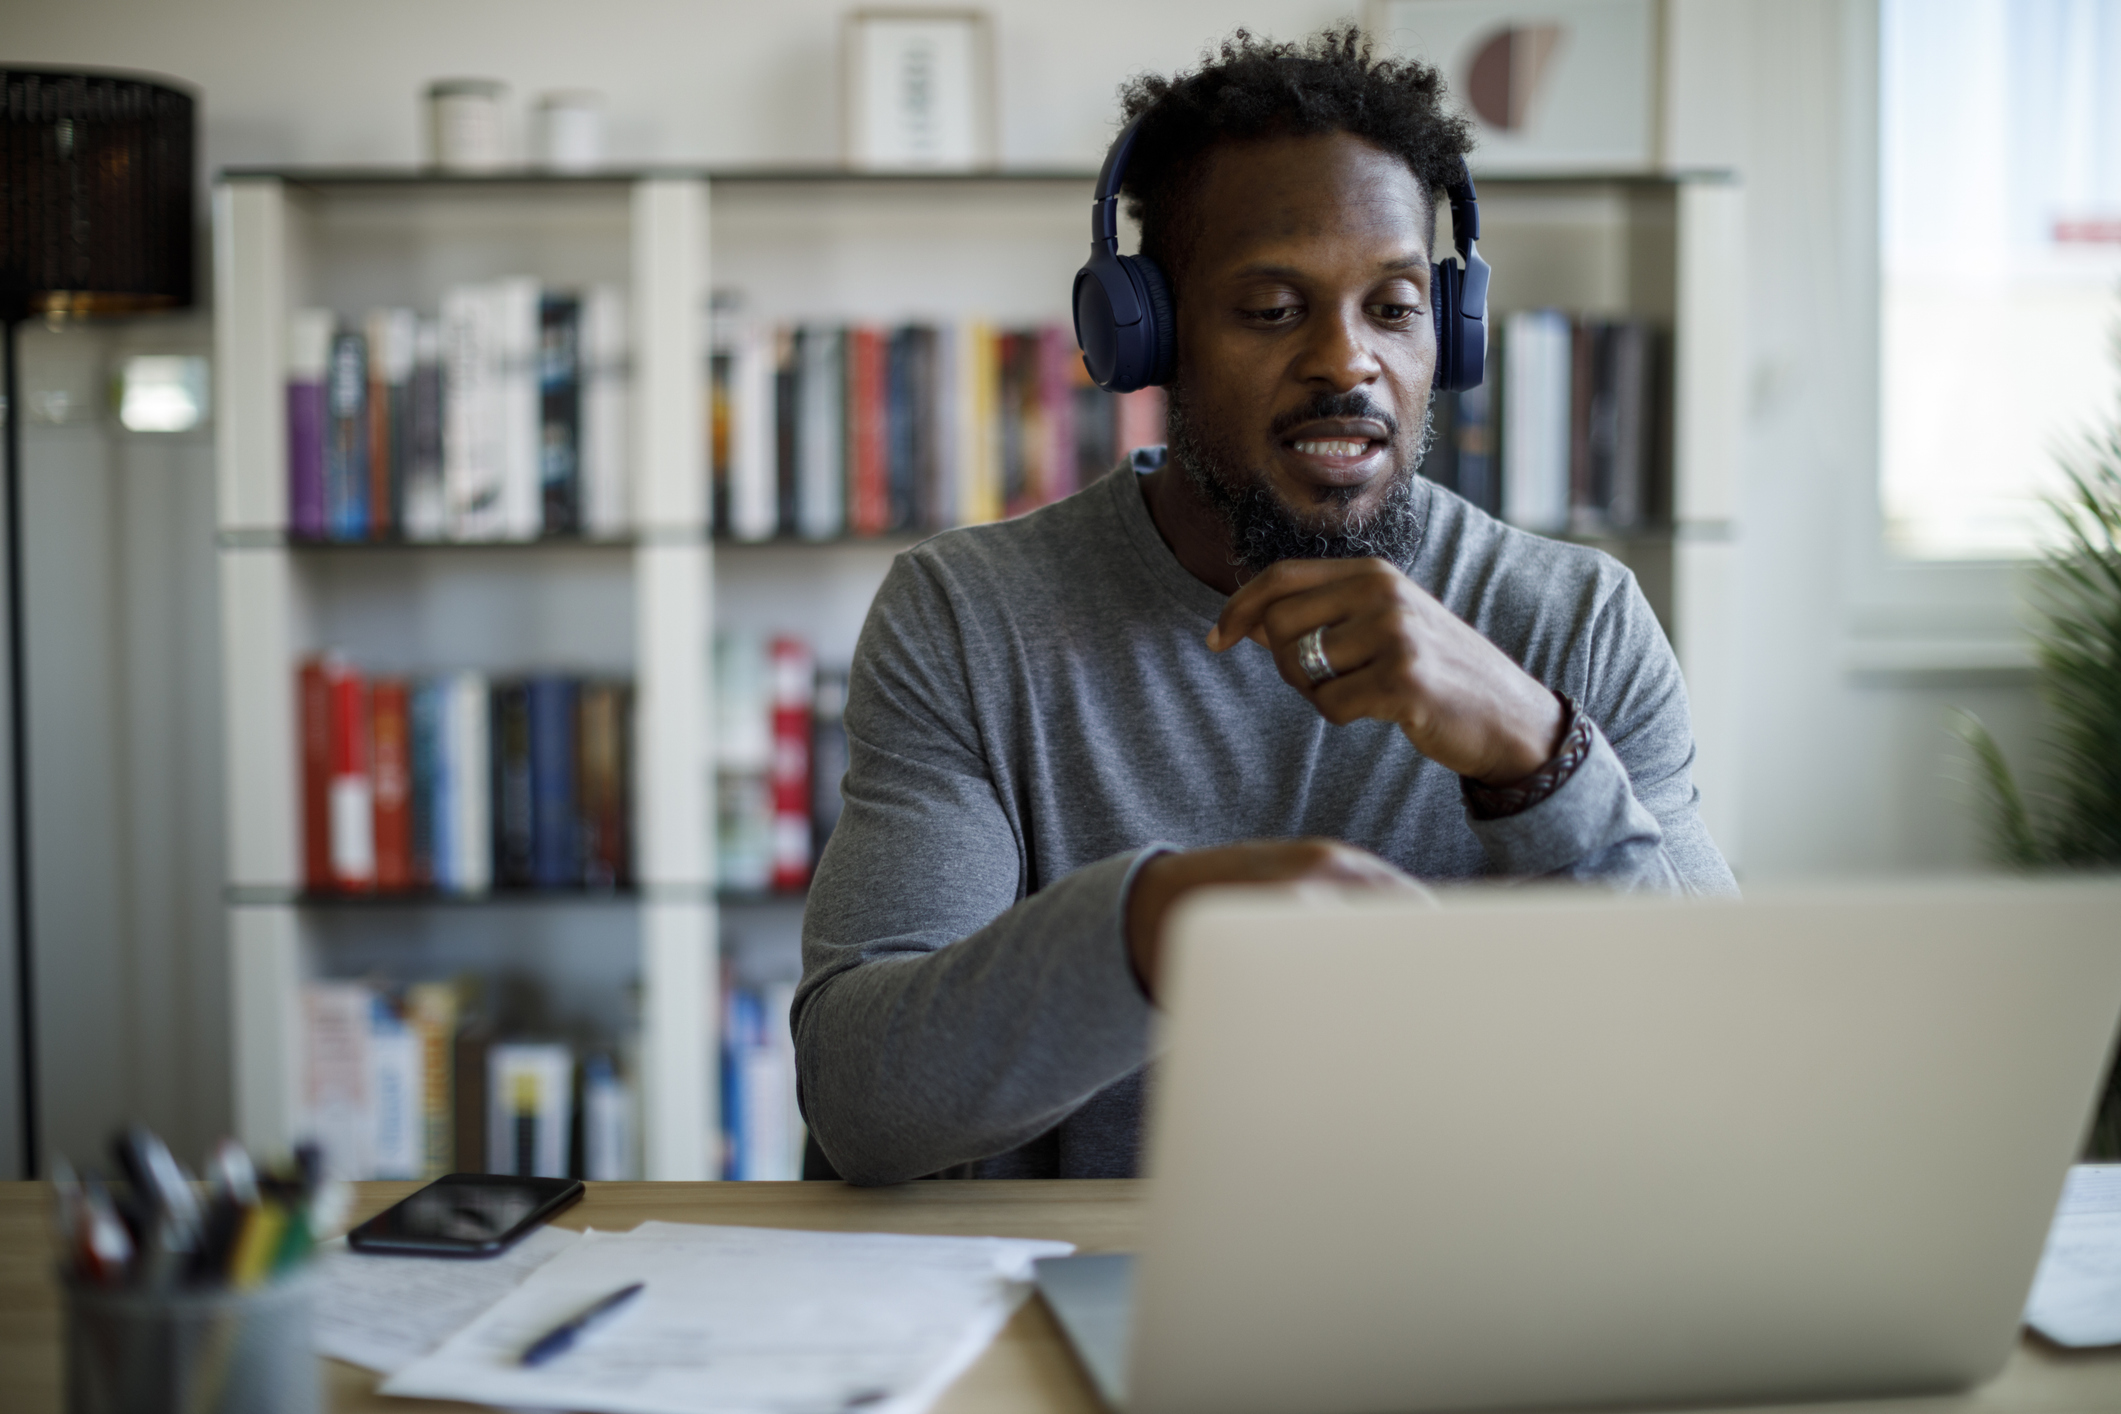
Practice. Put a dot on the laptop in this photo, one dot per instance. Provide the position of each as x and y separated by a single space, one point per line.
1534 1149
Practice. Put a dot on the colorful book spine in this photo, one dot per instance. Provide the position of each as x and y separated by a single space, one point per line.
471 467
753 514
1057 362
313 686
786 374
390 730
828 755
559 448
346 438
515 302
607 1123
431 1012
393 336
466 809
530 1102
606 375
979 425
605 773
868 453
426 501
902 427
308 367
1537 380
352 798
821 467
794 686
398 1091
555 836
514 817
427 828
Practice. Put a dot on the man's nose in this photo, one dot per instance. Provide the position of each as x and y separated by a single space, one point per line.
1338 352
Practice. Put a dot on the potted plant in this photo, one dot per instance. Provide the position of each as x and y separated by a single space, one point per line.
2071 817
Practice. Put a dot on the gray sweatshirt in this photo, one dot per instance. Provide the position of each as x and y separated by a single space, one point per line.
1033 710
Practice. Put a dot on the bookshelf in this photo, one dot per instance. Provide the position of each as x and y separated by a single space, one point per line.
641 605
803 245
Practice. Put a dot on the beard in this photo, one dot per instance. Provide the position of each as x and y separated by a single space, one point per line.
1264 528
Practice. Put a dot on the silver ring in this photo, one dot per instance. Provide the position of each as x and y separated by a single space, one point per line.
1311 657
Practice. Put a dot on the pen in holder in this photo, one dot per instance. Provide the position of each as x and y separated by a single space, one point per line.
201 1351
191 1298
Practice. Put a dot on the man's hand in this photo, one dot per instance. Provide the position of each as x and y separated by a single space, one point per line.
1161 882
1398 656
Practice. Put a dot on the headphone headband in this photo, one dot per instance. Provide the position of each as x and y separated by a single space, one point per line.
1104 202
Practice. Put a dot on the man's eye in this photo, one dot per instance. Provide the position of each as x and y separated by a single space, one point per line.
1395 313
1276 314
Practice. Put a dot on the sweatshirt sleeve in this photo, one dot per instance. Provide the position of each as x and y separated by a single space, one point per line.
944 1015
1629 815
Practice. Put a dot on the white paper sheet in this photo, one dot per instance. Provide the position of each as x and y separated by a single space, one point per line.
2076 1296
386 1312
740 1320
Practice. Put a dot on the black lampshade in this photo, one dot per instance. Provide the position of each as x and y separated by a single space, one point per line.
95 193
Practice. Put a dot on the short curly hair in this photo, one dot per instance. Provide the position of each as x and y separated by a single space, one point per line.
1247 89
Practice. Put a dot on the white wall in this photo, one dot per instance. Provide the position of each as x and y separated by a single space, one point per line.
1842 771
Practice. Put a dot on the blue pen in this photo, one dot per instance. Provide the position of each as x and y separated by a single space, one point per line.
562 1337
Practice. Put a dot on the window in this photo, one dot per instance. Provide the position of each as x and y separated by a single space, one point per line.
2000 262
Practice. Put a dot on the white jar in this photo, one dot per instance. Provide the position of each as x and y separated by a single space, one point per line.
570 127
466 129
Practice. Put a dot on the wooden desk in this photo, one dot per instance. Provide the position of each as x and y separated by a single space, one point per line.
1028 1370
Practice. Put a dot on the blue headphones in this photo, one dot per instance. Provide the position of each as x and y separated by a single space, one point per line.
1123 321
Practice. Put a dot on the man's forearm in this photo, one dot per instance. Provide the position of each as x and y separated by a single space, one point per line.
916 1057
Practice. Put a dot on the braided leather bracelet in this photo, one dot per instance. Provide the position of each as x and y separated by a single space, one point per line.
1488 802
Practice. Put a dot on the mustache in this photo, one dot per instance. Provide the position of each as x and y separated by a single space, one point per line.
1353 403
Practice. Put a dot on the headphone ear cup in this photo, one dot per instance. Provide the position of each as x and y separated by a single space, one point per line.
1161 337
1445 278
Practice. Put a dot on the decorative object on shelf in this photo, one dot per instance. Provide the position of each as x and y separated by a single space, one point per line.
97 173
2076 823
1562 86
918 90
570 130
467 129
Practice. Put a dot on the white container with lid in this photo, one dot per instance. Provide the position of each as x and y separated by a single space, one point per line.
466 128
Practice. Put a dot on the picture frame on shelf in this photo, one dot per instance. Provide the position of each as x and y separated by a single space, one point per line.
917 90
1556 87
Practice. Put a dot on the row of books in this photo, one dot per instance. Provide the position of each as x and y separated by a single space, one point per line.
780 749
459 784
410 1083
762 1130
820 430
502 418
1567 434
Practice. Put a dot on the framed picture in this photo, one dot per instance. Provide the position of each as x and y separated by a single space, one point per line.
1558 86
919 90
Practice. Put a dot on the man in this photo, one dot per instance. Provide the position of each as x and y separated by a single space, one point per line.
1060 724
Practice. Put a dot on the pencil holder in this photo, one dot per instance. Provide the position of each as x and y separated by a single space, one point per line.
191 1352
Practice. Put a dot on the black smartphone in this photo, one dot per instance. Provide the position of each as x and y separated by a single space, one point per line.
465 1215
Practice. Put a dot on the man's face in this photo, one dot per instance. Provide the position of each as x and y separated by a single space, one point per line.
1306 345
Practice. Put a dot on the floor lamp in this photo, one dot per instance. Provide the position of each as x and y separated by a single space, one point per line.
96 185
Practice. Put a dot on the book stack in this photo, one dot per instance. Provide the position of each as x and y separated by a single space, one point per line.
821 431
762 1130
460 785
503 417
780 749
408 1083
1578 420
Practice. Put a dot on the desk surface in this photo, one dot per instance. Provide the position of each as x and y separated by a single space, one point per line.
1027 1369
